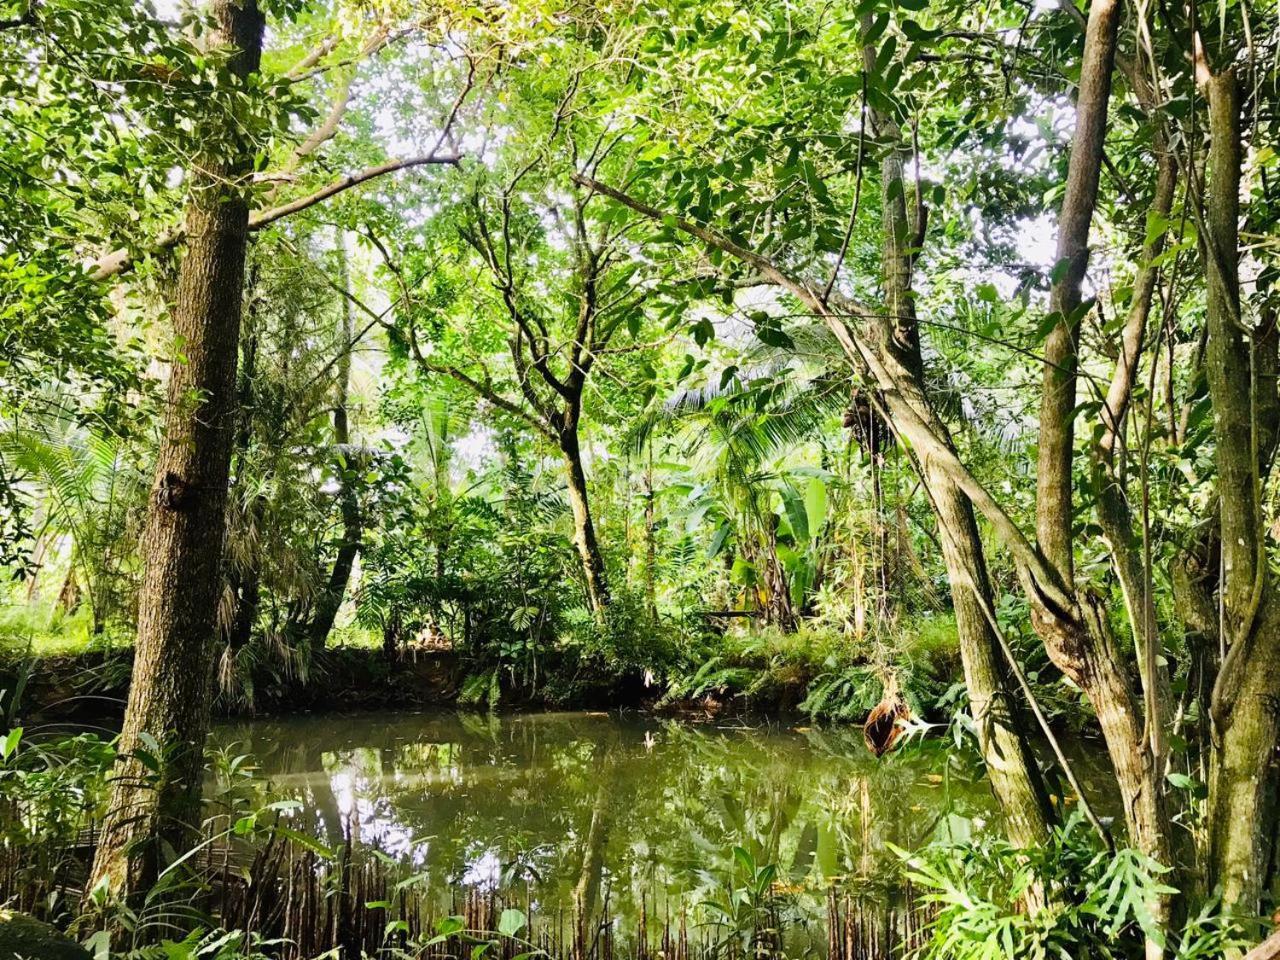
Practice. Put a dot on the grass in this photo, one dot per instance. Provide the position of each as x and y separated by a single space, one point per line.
38 630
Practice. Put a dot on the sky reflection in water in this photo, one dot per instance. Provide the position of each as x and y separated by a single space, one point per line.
516 799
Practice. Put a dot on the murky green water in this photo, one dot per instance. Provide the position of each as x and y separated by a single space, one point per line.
631 805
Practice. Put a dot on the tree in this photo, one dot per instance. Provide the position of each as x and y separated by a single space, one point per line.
156 797
881 339
562 294
348 465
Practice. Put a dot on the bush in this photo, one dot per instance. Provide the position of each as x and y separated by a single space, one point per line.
823 671
1100 902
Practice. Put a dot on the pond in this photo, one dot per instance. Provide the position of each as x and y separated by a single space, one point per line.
619 808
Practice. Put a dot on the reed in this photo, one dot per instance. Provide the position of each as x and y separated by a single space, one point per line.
353 904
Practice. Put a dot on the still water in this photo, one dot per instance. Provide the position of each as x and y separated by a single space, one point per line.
617 807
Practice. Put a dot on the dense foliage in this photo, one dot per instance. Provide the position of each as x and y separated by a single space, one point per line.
814 356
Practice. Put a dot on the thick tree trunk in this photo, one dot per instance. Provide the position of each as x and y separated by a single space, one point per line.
584 531
182 542
1246 723
330 599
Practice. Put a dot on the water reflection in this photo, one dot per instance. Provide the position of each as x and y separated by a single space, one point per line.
583 807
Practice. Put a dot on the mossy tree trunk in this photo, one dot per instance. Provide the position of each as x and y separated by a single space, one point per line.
1078 638
1000 719
1243 708
584 530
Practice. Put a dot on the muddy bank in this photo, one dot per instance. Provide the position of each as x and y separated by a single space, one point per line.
95 685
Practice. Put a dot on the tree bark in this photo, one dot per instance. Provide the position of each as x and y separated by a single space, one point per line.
1015 777
1058 399
158 801
1078 638
650 539
1128 558
1000 720
584 531
1245 722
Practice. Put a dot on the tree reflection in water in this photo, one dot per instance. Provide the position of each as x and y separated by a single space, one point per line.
578 807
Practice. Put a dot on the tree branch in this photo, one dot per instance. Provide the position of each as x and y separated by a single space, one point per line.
122 260
916 422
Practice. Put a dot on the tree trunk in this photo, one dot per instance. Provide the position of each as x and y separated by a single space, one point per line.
348 498
182 542
650 540
1246 724
1130 554
248 603
584 531
69 593
1001 722
1078 639
778 610
1011 766
1058 398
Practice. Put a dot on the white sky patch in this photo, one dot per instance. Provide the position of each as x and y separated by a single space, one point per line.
476 448
1037 241
483 871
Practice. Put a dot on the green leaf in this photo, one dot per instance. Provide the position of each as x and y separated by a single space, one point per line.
815 505
302 839
511 922
10 743
797 516
448 926
717 541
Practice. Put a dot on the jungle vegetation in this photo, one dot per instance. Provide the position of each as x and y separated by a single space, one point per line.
903 350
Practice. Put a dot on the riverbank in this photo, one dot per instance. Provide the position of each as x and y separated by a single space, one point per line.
94 685
817 674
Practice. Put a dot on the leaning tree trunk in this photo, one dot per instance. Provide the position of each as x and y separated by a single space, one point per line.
158 802
1000 721
348 498
1246 721
584 531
